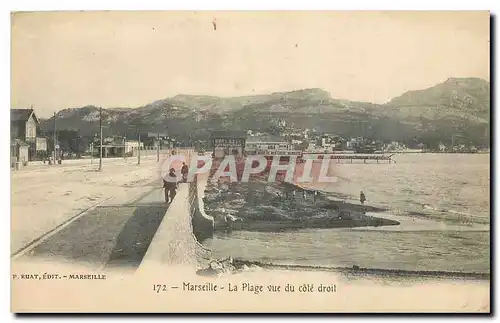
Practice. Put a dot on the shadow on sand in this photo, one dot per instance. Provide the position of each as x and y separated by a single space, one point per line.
136 236
113 236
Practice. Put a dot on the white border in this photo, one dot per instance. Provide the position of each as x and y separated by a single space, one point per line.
48 5
24 5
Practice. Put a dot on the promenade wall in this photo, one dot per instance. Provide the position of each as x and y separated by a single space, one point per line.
184 226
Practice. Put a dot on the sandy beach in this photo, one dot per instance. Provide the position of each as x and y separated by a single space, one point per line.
259 205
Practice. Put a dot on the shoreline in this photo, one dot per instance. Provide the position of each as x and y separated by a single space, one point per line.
273 207
381 272
236 266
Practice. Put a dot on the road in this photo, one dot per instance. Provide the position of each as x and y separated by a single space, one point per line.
107 236
45 197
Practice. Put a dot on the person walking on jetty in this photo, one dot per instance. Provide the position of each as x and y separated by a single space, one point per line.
362 197
184 172
170 187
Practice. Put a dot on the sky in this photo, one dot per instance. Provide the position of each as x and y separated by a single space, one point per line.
128 59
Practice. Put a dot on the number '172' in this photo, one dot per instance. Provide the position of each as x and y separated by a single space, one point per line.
159 288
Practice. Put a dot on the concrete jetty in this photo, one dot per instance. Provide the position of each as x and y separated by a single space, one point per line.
176 242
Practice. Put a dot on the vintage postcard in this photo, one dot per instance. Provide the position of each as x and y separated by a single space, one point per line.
301 161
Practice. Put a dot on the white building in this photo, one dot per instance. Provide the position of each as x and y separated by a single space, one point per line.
132 146
269 145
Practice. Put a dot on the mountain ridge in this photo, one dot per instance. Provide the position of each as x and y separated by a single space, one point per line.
453 105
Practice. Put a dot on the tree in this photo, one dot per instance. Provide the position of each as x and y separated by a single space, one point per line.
303 145
274 130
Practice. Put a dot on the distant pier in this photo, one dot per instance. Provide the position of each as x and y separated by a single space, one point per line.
349 158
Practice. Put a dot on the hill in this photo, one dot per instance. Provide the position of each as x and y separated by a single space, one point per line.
456 97
457 106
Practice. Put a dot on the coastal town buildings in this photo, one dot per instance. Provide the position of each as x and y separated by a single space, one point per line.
260 143
132 146
269 145
353 143
228 142
118 147
151 140
26 144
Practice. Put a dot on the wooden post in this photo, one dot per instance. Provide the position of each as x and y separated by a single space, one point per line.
124 145
158 148
55 138
100 139
139 149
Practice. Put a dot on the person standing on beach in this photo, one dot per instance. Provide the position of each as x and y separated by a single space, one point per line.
315 196
362 197
304 194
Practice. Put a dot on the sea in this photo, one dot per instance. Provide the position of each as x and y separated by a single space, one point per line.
442 202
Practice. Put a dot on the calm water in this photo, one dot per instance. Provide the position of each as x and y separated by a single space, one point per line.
442 202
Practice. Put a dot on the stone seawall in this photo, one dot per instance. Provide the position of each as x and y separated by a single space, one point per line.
184 226
203 224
